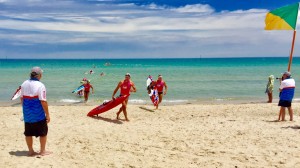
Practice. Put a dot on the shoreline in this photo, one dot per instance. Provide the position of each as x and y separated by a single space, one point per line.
193 102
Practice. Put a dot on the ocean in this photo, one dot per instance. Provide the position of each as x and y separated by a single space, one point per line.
191 80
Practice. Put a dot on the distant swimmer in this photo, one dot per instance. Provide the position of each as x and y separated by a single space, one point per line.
102 74
126 86
107 64
89 72
160 85
87 87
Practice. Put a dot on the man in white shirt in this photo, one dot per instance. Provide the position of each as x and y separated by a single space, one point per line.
286 89
35 111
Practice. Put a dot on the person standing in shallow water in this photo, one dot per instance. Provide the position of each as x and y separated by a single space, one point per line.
87 86
35 111
126 86
286 89
269 89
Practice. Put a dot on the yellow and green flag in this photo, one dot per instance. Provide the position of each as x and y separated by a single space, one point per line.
284 18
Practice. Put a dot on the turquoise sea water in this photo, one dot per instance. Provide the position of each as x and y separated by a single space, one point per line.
189 80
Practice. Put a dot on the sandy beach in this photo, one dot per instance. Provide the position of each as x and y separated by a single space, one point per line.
191 135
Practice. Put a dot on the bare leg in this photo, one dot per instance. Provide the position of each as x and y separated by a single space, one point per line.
86 96
160 96
270 96
290 113
29 143
124 106
118 113
43 151
282 111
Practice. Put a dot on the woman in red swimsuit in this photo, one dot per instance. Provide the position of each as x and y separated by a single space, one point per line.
126 86
87 87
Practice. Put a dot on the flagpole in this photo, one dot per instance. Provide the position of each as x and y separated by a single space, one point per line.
293 43
292 51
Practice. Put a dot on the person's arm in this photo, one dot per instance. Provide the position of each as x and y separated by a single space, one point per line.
21 96
133 87
45 107
43 100
166 89
116 89
282 85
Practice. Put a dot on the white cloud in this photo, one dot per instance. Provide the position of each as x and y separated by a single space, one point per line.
18 2
154 6
198 8
247 11
121 23
159 30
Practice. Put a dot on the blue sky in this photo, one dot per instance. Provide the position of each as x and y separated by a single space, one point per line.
140 29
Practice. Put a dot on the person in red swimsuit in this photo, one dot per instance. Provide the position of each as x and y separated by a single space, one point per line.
126 86
87 87
160 85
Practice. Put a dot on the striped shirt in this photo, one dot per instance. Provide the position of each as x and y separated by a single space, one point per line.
33 92
287 87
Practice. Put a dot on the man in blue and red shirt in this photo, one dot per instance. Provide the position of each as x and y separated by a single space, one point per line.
35 111
286 89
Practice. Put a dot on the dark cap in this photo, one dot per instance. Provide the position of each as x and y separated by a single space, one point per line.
287 73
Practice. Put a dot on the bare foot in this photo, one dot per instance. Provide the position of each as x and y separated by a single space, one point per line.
45 153
127 120
30 154
118 118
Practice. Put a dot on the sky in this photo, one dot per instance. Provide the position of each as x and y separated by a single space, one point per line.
98 29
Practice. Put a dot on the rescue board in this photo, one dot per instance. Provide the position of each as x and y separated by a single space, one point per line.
17 94
78 89
106 106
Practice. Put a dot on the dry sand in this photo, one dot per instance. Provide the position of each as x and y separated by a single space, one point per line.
229 135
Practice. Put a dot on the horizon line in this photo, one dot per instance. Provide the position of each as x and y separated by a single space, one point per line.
145 58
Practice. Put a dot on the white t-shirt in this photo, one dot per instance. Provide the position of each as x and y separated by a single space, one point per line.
287 83
33 88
